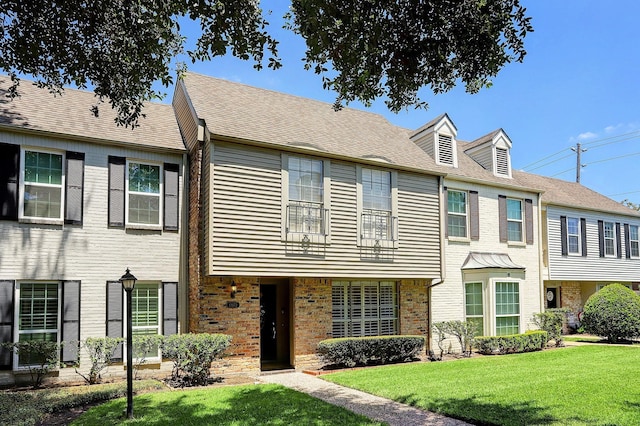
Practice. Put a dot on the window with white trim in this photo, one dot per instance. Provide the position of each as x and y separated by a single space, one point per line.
41 185
364 308
457 213
145 314
634 242
573 235
507 298
514 219
306 196
377 221
38 315
144 186
474 306
609 239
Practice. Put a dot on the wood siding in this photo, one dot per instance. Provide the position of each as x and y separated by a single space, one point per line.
591 267
484 157
246 207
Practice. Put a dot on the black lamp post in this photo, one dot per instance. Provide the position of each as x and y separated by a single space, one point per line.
128 282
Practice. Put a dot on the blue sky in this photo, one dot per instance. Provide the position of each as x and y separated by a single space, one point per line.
580 82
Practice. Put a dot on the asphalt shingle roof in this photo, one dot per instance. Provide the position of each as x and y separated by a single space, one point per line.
69 115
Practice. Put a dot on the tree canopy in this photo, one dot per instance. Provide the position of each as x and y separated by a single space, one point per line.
364 49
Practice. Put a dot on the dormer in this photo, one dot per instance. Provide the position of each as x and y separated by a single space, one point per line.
438 139
493 152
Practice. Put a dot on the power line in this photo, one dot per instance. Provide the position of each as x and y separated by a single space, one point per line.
562 172
550 162
615 158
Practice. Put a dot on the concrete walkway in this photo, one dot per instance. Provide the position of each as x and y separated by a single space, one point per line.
374 407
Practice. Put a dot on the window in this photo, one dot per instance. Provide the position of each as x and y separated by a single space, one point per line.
144 183
507 308
41 185
38 315
377 222
457 213
145 310
633 241
474 306
514 219
306 196
609 239
364 308
573 235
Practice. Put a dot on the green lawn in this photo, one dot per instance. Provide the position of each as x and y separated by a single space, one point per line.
232 405
595 385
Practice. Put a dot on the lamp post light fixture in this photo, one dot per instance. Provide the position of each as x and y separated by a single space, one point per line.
128 283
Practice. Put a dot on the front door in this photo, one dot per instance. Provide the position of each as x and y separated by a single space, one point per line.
274 325
552 297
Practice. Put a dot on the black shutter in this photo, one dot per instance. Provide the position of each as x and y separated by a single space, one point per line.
171 200
563 235
601 237
70 321
618 241
502 217
116 190
528 217
627 241
474 216
74 188
169 308
446 212
583 235
9 172
114 314
6 322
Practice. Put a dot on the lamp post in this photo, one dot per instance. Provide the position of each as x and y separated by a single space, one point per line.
128 282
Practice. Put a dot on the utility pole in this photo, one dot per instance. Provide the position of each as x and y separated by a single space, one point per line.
578 150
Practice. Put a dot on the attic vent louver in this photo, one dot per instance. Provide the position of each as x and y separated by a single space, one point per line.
502 162
445 149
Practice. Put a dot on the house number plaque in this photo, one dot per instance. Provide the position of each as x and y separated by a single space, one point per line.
233 304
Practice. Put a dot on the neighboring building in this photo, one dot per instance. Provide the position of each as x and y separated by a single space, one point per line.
306 223
590 241
492 237
80 201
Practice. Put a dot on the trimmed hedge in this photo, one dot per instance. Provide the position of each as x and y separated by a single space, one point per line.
515 343
352 351
613 312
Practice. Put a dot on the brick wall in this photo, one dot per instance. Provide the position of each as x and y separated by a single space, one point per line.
312 318
571 298
194 245
414 307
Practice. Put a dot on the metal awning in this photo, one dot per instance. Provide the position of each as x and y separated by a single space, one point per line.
476 260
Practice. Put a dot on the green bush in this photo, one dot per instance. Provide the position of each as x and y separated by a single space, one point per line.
352 351
144 345
464 331
613 312
192 355
515 343
39 356
100 351
551 321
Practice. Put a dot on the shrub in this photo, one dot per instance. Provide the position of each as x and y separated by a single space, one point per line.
613 312
352 351
100 351
551 321
515 343
464 331
143 346
192 355
39 356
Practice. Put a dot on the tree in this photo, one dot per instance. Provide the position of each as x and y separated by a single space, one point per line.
376 48
630 204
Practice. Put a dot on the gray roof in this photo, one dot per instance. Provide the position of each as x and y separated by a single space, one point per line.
482 140
241 112
69 115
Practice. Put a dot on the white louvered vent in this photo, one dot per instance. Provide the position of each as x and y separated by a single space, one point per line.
445 149
502 162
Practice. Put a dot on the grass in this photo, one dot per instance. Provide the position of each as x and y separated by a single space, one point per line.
244 405
24 408
596 385
584 339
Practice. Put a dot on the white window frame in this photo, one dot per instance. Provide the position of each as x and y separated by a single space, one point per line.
392 241
520 221
482 304
611 238
16 318
160 317
634 242
495 304
465 215
578 237
160 195
37 219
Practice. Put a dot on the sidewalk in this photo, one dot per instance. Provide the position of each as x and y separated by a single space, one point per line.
374 407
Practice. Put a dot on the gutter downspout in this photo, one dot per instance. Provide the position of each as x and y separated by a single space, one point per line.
183 284
541 260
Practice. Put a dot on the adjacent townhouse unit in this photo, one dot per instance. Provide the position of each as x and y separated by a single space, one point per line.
306 223
589 241
80 201
492 243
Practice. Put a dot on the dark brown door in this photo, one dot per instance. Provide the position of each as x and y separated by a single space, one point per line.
274 325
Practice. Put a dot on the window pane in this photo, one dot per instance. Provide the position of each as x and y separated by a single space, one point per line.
41 167
144 178
144 209
305 180
457 226
507 325
457 202
514 231
514 209
507 298
42 201
473 298
42 185
145 305
376 189
38 315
